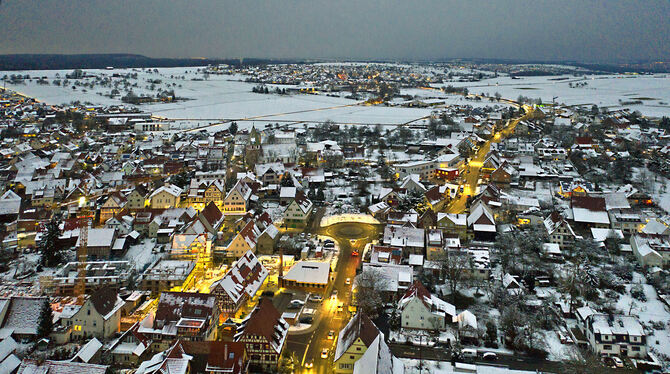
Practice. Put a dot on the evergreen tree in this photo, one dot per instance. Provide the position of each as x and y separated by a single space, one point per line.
51 251
233 128
45 326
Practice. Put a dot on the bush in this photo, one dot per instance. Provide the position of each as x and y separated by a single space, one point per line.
637 292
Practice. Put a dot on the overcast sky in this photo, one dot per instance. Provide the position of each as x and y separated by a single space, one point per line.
607 30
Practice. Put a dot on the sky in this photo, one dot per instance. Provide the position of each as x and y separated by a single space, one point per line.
548 30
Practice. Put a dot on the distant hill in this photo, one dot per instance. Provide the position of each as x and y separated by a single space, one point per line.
101 61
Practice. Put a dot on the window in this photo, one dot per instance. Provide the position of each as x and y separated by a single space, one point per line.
607 347
351 357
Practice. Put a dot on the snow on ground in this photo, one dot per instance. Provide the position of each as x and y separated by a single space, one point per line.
141 254
652 310
602 90
437 367
557 350
219 97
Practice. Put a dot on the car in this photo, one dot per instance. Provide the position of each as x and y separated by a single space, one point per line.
354 253
324 353
329 241
617 361
297 302
331 335
329 245
490 356
309 363
307 319
340 307
347 281
334 295
317 298
468 354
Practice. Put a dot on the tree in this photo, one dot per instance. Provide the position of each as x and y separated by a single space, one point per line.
233 128
453 266
45 323
369 286
465 150
49 247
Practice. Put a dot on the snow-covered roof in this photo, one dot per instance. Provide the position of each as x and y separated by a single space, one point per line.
87 351
10 203
245 277
311 272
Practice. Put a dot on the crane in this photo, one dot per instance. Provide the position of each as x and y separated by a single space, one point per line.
82 250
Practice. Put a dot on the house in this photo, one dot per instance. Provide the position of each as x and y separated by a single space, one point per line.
511 285
264 334
183 315
310 276
202 193
260 234
112 206
20 316
616 335
131 348
590 211
10 206
165 197
423 311
217 357
89 353
237 200
100 243
411 240
434 244
454 225
211 217
412 183
379 210
270 173
99 316
361 349
59 367
173 360
650 250
397 278
436 198
559 230
240 284
297 213
137 198
481 222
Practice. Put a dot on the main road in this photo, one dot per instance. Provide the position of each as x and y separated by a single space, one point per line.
472 170
307 346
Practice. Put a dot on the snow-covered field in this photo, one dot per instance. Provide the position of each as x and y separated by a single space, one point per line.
602 90
219 97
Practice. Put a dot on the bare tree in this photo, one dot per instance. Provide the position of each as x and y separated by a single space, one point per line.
453 268
369 287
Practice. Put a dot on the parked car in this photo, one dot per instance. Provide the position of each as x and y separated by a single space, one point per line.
316 298
306 319
468 354
617 361
490 356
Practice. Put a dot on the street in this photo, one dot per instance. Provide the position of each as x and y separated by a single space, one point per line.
308 344
473 168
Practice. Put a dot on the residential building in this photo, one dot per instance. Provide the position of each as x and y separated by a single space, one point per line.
297 213
361 349
240 284
99 316
419 309
165 197
264 334
616 335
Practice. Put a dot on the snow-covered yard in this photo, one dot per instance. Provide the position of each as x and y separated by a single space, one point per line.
652 310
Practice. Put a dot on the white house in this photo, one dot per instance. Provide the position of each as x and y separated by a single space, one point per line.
421 310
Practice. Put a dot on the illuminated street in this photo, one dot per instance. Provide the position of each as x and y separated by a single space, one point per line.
309 344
